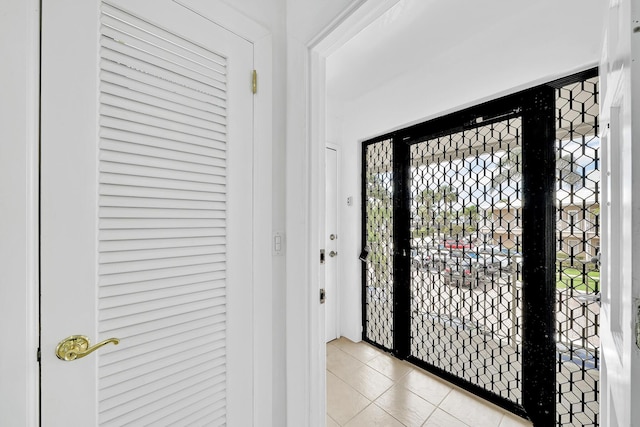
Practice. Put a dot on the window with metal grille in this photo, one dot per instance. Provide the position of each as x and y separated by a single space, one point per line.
378 237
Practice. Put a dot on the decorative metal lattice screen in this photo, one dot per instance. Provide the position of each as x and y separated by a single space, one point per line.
466 229
578 241
451 202
378 224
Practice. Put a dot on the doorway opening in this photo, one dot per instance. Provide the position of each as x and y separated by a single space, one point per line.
458 213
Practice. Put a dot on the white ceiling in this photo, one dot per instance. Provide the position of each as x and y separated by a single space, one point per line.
423 34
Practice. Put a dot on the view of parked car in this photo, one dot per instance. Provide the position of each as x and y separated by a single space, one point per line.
463 243
419 258
463 272
496 266
464 264
429 259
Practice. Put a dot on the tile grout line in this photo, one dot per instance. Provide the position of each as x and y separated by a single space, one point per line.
397 382
391 415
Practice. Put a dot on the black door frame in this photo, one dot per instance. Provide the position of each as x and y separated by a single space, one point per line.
536 107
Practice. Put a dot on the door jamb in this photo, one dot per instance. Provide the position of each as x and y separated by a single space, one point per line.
338 291
19 184
352 20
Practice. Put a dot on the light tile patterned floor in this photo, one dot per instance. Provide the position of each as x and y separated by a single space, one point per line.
367 387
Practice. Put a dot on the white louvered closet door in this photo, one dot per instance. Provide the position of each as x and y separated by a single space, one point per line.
147 214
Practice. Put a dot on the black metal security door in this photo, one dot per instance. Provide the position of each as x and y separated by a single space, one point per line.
466 317
459 215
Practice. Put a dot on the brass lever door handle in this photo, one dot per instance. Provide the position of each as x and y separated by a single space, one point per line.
78 346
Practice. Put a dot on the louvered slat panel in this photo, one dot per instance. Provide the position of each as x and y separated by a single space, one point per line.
212 149
147 99
135 411
162 226
136 212
215 221
159 193
115 156
153 367
156 264
116 18
145 171
151 307
174 124
178 184
138 290
144 330
121 201
113 51
159 253
182 69
161 273
207 71
195 418
119 381
214 417
138 379
154 298
159 311
114 72
135 159
167 416
138 165
136 361
157 113
125 246
125 394
166 358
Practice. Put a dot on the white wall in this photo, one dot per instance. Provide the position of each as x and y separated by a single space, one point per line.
559 38
294 24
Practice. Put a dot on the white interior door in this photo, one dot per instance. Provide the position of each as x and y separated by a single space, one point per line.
620 82
146 213
331 229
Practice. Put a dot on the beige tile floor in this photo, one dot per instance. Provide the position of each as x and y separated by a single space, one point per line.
366 387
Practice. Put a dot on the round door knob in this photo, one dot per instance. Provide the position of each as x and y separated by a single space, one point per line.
333 253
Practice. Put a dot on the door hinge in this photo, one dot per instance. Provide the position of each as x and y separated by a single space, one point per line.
323 296
39 355
254 82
